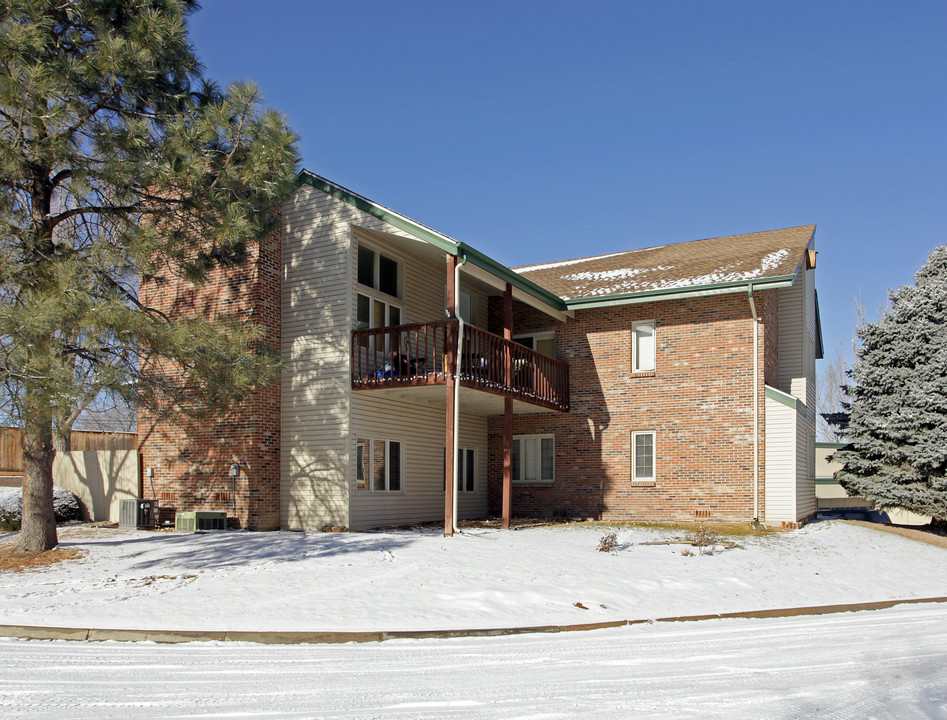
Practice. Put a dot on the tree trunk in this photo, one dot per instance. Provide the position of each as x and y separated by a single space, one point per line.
38 525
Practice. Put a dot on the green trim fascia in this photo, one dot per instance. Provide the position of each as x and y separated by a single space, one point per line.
829 445
442 242
504 273
781 397
419 231
774 283
826 481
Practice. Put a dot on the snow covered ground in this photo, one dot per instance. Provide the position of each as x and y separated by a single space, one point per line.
884 664
879 664
418 580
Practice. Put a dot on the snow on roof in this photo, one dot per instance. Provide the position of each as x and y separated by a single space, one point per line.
736 258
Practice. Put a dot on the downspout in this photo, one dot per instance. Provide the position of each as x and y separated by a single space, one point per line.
460 349
756 405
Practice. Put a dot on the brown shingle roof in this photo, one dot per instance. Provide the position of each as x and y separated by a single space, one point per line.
753 256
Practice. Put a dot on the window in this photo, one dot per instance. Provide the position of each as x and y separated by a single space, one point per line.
468 308
372 313
378 271
534 459
465 472
642 456
642 346
543 343
378 465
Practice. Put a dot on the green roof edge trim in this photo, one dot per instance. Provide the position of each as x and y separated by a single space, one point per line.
442 242
378 211
835 445
511 276
694 290
781 397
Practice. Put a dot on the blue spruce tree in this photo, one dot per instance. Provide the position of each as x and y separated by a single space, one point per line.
897 408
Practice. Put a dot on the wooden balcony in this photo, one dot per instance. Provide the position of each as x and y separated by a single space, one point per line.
422 354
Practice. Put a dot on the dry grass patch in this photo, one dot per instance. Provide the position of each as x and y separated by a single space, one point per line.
731 529
11 562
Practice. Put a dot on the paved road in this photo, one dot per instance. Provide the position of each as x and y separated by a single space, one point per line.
881 664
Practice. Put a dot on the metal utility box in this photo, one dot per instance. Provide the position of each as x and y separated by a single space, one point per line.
195 520
138 513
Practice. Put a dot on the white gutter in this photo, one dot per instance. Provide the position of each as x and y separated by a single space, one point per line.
756 406
460 349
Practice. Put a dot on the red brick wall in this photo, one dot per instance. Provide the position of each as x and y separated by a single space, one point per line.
191 459
699 402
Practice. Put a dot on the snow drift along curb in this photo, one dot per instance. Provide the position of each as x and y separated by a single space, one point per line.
33 632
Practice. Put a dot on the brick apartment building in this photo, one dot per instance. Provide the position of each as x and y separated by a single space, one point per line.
669 383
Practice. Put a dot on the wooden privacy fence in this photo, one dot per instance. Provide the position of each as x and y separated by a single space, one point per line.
11 450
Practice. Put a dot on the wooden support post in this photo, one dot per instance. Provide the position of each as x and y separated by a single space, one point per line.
507 409
450 368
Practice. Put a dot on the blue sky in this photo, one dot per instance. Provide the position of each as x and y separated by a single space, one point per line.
539 131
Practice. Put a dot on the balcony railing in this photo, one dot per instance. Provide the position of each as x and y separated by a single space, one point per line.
420 354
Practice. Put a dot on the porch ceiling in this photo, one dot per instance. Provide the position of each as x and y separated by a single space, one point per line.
473 402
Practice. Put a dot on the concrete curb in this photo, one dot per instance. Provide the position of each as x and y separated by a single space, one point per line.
32 632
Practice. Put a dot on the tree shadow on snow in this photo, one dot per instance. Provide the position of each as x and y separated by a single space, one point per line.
237 549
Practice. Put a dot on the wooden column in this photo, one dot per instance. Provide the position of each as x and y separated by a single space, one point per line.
450 368
507 409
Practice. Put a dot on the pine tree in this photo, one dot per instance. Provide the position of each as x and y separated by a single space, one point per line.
119 161
897 407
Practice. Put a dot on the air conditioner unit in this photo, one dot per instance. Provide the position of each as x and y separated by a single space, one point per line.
195 520
138 513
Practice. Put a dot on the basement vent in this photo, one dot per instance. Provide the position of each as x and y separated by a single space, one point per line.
702 513
199 520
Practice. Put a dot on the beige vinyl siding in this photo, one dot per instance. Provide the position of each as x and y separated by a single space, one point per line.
805 464
421 429
423 280
316 387
101 479
792 340
780 462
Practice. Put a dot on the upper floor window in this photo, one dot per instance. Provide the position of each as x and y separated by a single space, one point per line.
378 271
643 346
544 343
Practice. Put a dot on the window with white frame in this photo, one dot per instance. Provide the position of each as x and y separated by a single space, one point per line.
378 465
465 472
642 456
378 271
543 342
534 459
643 346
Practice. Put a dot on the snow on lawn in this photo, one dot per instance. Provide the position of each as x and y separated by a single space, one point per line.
416 580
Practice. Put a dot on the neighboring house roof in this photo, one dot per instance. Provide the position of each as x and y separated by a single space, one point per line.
767 258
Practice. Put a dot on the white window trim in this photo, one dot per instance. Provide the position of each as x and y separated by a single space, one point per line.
371 466
376 272
375 296
539 460
536 337
634 458
634 346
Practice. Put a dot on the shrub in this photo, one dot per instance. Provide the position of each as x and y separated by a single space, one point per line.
65 506
608 542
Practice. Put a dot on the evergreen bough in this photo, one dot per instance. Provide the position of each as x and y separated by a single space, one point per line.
897 406
119 161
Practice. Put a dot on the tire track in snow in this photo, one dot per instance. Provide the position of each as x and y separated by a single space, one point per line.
883 664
